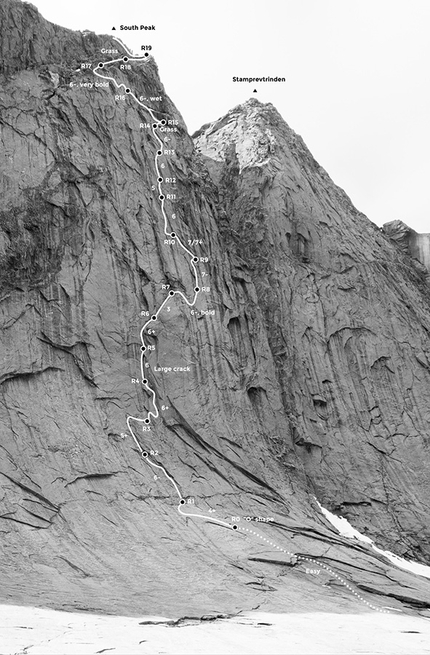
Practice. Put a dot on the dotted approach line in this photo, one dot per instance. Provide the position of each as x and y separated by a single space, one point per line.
317 563
155 412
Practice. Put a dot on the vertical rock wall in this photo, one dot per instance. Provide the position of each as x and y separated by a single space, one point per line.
303 369
347 318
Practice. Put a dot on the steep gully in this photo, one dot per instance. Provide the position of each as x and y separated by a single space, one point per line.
154 412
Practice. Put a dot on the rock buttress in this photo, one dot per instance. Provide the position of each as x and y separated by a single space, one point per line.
348 324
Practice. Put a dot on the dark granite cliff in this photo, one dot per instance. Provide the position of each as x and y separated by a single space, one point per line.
347 318
416 245
306 363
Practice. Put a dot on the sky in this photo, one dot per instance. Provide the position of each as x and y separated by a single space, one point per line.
357 79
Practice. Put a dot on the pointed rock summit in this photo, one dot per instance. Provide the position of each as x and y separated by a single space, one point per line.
248 127
326 280
410 242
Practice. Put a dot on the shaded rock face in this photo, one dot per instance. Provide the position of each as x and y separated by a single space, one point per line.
347 321
410 242
308 354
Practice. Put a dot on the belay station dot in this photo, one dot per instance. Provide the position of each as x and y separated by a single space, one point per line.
143 348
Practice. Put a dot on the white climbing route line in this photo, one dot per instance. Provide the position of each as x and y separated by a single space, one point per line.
154 412
212 519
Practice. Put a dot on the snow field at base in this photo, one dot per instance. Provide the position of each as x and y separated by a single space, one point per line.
34 631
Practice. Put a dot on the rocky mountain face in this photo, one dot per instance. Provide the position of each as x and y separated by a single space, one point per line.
347 318
414 244
302 371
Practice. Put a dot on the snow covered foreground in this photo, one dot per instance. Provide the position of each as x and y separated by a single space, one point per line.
33 631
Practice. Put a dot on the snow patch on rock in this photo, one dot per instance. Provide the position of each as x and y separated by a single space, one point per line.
346 530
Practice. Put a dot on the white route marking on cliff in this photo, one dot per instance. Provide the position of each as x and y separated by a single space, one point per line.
155 412
212 519
169 477
318 563
172 293
156 124
128 51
